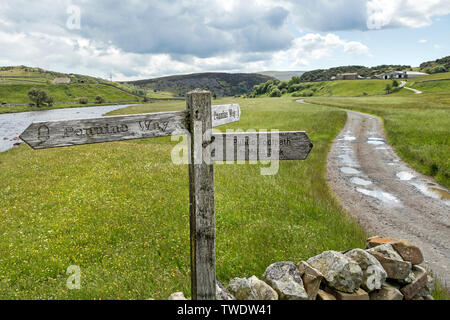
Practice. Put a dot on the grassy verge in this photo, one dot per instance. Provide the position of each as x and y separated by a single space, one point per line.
417 126
59 106
120 211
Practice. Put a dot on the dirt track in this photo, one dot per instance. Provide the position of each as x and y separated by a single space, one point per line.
388 197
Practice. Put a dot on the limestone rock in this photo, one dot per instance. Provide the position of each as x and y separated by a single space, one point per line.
222 293
251 289
411 290
407 250
360 294
392 262
374 275
340 272
387 292
286 280
429 287
409 279
311 279
322 295
177 296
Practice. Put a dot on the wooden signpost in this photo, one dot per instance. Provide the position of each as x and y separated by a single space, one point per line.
205 149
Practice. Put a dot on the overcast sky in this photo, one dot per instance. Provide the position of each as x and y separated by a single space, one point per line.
136 39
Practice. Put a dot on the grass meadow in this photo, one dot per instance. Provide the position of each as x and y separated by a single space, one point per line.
417 126
120 211
18 93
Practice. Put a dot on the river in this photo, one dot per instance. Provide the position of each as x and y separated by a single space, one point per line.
13 124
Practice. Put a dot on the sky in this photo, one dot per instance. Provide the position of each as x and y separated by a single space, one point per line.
139 39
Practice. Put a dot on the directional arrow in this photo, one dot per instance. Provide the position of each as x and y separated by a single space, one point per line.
261 146
53 134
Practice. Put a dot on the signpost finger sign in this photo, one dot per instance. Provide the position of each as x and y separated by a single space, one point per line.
205 149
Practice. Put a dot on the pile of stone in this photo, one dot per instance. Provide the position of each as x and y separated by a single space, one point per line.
387 270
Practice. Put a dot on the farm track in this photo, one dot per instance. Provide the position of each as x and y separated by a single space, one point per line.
386 196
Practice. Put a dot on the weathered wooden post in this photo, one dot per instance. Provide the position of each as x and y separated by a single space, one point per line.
201 197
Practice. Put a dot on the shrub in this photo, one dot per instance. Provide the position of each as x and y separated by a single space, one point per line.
388 88
99 99
307 93
83 100
275 93
395 84
39 98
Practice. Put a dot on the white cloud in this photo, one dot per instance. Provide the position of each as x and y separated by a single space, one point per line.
404 13
314 46
422 41
140 39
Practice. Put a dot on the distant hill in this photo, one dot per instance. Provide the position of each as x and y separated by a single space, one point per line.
222 84
16 81
437 66
282 75
30 74
327 74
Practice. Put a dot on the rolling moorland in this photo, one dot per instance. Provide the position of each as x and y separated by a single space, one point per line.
107 197
221 84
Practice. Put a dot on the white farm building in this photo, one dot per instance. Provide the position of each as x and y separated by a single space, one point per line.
403 75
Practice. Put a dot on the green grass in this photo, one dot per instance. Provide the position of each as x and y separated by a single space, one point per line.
120 211
437 76
433 86
18 93
347 88
440 293
417 126
59 106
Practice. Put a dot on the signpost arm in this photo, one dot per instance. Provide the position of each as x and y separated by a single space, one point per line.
201 194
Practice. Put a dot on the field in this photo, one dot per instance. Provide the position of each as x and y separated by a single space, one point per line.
417 126
345 88
120 211
18 94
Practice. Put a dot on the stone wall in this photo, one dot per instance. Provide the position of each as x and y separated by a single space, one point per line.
388 269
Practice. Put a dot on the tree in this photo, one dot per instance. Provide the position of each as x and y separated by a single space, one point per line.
83 100
388 88
214 95
275 92
395 84
99 99
39 98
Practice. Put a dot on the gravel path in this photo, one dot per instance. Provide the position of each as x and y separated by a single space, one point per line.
410 89
388 197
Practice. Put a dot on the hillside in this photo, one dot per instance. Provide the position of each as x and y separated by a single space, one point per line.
19 74
221 84
437 66
326 74
16 82
282 75
18 93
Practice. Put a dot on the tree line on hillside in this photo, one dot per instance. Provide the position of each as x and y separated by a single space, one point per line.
437 66
41 98
327 74
295 86
277 88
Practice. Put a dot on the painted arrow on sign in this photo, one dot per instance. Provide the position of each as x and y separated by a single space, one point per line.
53 134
